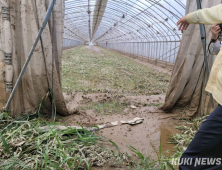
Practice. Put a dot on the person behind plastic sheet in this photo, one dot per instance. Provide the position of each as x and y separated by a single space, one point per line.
216 43
207 143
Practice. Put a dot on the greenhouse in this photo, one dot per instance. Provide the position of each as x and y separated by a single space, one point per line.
110 84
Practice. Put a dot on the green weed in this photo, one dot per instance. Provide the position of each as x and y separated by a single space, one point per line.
145 163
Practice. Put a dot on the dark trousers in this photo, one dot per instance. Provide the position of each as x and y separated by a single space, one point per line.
206 144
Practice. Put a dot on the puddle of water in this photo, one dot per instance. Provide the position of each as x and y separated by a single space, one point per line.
165 133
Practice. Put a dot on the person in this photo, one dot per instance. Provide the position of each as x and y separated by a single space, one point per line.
216 43
207 144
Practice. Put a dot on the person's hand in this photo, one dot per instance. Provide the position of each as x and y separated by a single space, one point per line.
183 24
215 29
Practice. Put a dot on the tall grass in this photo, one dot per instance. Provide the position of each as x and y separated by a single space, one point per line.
145 163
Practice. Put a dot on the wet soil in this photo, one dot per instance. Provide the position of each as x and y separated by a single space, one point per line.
145 136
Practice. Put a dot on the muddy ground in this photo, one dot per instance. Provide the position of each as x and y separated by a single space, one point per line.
145 136
120 100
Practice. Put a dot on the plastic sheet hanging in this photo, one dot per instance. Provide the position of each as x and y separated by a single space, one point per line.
25 19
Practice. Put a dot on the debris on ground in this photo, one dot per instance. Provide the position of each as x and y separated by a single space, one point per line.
135 121
91 129
133 107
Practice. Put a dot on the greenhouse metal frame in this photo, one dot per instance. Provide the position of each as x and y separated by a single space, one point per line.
144 28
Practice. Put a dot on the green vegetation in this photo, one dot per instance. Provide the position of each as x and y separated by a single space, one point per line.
24 146
90 71
187 133
145 163
154 104
112 106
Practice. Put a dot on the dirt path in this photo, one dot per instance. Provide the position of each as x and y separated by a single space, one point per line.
95 108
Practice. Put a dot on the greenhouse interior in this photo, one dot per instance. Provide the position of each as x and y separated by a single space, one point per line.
110 84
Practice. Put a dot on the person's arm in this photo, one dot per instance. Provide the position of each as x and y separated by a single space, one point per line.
215 29
206 16
215 44
203 16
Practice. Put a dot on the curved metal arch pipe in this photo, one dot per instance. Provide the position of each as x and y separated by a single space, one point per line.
133 13
143 27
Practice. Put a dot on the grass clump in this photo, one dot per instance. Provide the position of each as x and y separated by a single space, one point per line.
24 146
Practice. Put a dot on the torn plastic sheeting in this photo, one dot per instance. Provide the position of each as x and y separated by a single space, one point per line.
188 79
26 16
